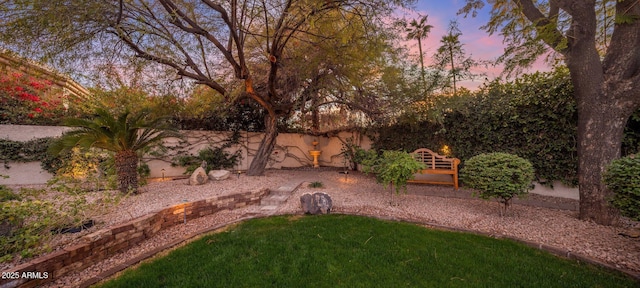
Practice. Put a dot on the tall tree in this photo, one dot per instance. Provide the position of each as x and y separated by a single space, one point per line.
207 41
418 29
605 77
452 57
355 74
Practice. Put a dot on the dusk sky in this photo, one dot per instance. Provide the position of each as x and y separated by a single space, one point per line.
476 42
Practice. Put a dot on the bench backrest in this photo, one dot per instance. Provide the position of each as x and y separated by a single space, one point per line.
435 161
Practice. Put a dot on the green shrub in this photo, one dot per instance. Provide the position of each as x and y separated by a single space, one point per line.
498 175
26 224
84 169
215 157
6 194
315 184
396 168
622 178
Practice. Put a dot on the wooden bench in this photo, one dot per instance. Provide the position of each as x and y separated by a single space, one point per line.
436 164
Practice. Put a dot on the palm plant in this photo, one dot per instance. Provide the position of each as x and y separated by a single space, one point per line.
418 30
125 134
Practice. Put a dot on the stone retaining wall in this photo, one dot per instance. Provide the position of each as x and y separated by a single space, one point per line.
103 243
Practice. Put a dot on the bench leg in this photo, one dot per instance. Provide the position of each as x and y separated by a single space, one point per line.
455 181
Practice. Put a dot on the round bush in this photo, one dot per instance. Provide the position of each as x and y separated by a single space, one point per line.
622 178
498 175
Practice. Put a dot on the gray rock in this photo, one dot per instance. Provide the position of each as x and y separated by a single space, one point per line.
6 228
316 203
198 177
218 175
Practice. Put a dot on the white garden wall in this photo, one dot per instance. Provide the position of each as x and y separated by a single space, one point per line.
291 151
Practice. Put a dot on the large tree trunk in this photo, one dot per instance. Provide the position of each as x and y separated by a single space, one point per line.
600 132
261 158
127 171
601 114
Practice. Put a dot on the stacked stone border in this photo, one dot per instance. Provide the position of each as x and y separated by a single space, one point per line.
175 215
106 242
563 253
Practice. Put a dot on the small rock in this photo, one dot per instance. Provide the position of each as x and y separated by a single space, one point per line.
316 203
198 177
218 175
6 228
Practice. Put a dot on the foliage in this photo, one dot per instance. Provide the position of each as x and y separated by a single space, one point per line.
244 115
32 220
27 100
32 150
395 168
354 154
498 175
91 169
316 184
28 225
75 165
143 173
534 117
418 30
451 61
410 136
186 38
631 140
124 131
622 178
215 156
532 28
6 194
125 134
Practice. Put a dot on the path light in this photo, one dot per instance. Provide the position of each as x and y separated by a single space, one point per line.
346 170
162 174
238 171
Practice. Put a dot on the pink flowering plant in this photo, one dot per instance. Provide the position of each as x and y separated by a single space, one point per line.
28 100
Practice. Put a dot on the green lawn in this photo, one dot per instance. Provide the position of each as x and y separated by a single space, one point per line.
352 251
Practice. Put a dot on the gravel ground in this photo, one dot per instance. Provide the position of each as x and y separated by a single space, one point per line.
359 194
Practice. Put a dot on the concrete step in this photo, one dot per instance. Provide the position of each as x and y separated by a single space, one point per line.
282 190
268 209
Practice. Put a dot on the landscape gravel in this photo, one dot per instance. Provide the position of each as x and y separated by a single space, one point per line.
359 194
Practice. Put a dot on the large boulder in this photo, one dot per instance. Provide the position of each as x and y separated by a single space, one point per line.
316 203
218 175
199 177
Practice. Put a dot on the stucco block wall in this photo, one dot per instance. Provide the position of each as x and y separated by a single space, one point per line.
291 150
